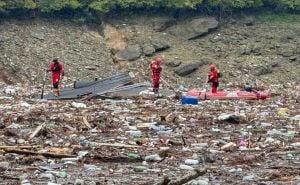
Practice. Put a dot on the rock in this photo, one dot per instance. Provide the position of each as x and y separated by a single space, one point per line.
4 38
92 68
39 36
208 157
161 24
294 58
160 45
148 49
187 69
175 63
249 21
263 70
195 28
2 125
4 165
131 52
286 52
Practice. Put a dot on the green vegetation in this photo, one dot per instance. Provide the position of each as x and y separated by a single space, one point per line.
279 17
104 6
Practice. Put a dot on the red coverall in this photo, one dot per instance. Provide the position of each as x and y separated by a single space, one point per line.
213 79
155 69
57 69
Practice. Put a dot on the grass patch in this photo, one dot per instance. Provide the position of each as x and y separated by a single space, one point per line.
278 17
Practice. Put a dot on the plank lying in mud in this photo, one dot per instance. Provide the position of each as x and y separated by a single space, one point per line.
192 175
46 154
117 159
9 177
117 145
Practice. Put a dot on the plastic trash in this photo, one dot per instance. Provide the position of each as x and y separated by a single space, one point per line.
242 142
79 182
61 174
25 182
153 157
134 133
79 105
51 183
25 105
165 132
139 168
161 129
185 167
189 100
191 162
133 156
296 145
47 176
248 178
283 111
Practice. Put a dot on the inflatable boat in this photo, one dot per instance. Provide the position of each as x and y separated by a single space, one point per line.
227 95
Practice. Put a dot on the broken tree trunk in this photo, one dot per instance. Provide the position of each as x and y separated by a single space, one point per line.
20 147
195 174
46 154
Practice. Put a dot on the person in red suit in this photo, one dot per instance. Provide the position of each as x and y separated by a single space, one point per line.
57 68
156 69
213 78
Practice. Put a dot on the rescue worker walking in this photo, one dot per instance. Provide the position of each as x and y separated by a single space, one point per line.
57 68
156 69
213 78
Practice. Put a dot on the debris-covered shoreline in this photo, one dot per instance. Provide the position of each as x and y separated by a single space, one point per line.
149 140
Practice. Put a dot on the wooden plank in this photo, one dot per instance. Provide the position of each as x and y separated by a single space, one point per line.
37 130
86 122
116 145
